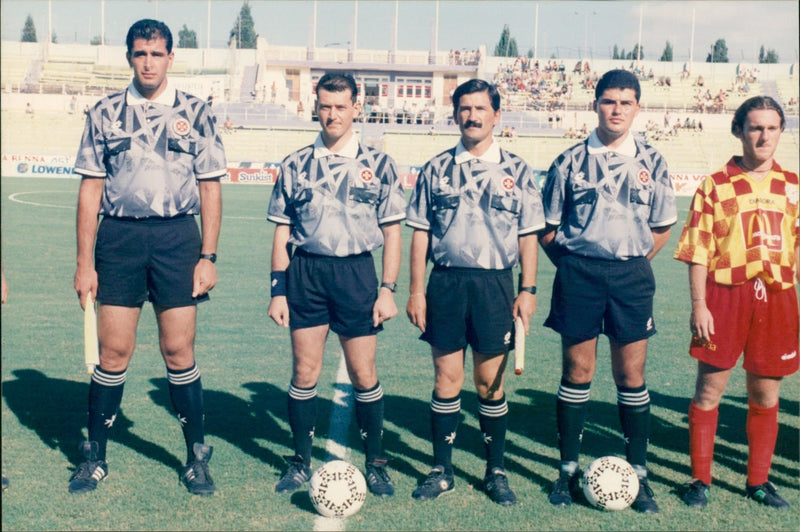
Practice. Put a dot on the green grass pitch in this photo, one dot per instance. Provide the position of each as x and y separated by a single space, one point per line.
245 362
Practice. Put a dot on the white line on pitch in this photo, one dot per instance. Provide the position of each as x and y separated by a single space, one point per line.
336 448
14 198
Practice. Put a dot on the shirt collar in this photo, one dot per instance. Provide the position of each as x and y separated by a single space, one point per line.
492 155
349 150
134 97
627 148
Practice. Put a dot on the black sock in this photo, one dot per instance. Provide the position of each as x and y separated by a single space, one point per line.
634 416
445 417
369 415
493 419
105 396
571 405
186 392
302 420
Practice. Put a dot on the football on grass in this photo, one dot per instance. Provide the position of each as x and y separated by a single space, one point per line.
610 483
337 489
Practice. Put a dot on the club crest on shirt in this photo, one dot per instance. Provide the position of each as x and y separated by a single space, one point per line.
644 177
180 126
508 184
366 175
116 126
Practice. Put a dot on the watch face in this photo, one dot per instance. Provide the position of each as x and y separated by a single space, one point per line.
209 256
390 286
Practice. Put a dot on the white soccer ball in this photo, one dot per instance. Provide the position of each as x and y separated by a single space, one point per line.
610 483
337 489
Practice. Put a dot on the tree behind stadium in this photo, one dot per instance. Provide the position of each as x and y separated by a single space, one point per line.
187 38
719 53
507 45
244 31
29 31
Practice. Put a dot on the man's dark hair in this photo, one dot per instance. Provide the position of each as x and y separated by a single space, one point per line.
148 29
618 79
476 85
338 82
754 103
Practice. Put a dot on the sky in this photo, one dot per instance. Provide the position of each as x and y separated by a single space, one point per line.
565 28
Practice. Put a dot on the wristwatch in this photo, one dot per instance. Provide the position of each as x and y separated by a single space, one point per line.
209 256
529 289
391 286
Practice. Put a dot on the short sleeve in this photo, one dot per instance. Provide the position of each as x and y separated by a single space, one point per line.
89 161
210 161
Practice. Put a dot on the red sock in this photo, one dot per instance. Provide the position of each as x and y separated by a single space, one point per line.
762 433
702 430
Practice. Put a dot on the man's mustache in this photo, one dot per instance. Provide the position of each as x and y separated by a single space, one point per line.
472 123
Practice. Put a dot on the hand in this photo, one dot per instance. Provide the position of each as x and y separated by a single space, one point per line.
701 322
279 310
85 282
524 307
384 308
205 277
415 310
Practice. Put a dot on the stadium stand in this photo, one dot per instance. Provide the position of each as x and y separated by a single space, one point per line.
407 94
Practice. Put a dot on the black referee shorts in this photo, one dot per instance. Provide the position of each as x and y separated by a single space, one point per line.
594 296
150 259
470 306
338 291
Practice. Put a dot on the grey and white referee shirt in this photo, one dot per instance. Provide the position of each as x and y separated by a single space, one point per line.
476 208
335 203
150 152
606 202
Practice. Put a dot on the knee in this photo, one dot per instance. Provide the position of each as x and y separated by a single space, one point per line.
706 398
363 379
577 374
306 374
448 385
177 348
489 391
115 358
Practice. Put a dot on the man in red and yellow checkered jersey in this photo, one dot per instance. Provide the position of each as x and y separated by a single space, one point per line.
741 243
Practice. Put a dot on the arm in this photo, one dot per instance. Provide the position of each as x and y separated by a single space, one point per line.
701 321
205 272
89 194
660 238
525 304
416 306
547 239
278 306
385 307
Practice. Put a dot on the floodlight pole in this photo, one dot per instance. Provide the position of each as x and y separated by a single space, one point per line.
536 34
639 48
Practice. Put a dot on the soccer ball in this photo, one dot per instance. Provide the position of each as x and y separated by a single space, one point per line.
610 483
337 489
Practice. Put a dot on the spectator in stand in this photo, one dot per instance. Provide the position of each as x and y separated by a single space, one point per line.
227 127
29 109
